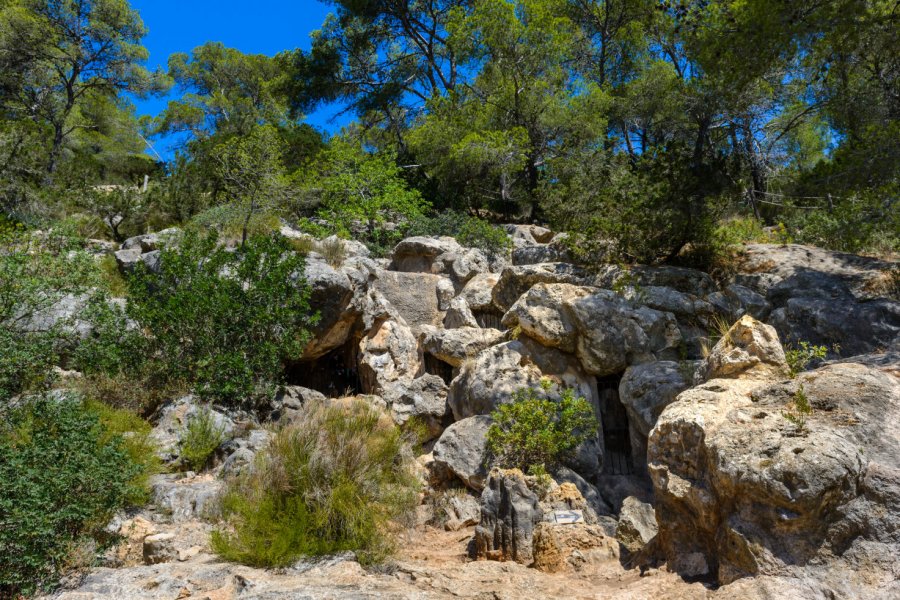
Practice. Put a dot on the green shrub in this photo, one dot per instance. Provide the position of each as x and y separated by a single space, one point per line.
537 430
62 476
337 479
202 437
799 410
469 231
798 358
113 346
223 320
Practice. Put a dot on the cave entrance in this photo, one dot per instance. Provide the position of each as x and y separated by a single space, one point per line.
489 319
435 366
335 374
616 441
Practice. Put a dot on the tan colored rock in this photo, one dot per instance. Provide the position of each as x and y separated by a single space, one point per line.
160 548
455 346
543 315
477 291
750 350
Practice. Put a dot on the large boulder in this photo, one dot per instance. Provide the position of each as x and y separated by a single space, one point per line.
515 281
462 449
455 346
510 511
823 297
637 525
741 490
497 373
614 333
645 390
443 255
423 399
389 352
414 296
331 292
688 281
543 314
478 291
749 350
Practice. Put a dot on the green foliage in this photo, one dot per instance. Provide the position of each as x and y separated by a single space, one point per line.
469 231
201 439
799 410
537 428
357 193
223 320
798 358
62 476
339 478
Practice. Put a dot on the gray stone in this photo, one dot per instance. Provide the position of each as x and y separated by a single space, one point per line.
455 346
510 511
459 314
637 525
159 548
423 399
462 449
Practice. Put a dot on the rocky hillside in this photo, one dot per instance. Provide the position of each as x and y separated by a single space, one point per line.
723 467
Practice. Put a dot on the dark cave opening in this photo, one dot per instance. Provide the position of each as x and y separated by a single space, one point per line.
616 441
335 374
435 366
489 319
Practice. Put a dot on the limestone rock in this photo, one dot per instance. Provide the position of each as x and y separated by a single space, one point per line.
742 491
159 548
185 498
562 548
495 374
478 290
510 511
637 525
645 390
462 449
515 281
172 421
543 314
423 399
749 350
330 294
389 352
454 346
459 314
416 297
614 333
290 400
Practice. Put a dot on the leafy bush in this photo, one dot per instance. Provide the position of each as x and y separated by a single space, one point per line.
468 231
538 430
798 358
62 475
334 480
200 440
223 320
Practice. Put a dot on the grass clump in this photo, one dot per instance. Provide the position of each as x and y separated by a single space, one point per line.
202 437
65 468
799 410
338 479
799 358
537 430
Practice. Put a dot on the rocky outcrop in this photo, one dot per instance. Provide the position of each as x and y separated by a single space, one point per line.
637 526
510 511
741 490
515 281
497 373
416 297
442 255
330 294
423 399
389 352
462 449
455 346
749 350
827 298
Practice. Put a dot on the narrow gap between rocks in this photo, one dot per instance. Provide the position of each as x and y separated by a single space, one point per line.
435 366
488 319
616 442
335 374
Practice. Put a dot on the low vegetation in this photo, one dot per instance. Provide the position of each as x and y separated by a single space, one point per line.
201 439
799 410
337 479
65 468
799 357
540 428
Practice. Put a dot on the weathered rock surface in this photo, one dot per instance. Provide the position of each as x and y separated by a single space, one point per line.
750 350
510 511
515 281
172 421
478 291
824 297
414 296
496 373
462 449
423 399
330 294
459 314
637 525
389 352
454 346
742 491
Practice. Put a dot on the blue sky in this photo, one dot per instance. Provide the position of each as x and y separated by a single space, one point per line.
258 26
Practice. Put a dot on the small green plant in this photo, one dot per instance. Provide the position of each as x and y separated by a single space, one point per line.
539 429
799 411
543 480
798 358
333 250
338 479
628 285
202 437
64 471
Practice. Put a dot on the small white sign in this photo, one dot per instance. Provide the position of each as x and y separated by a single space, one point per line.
568 517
